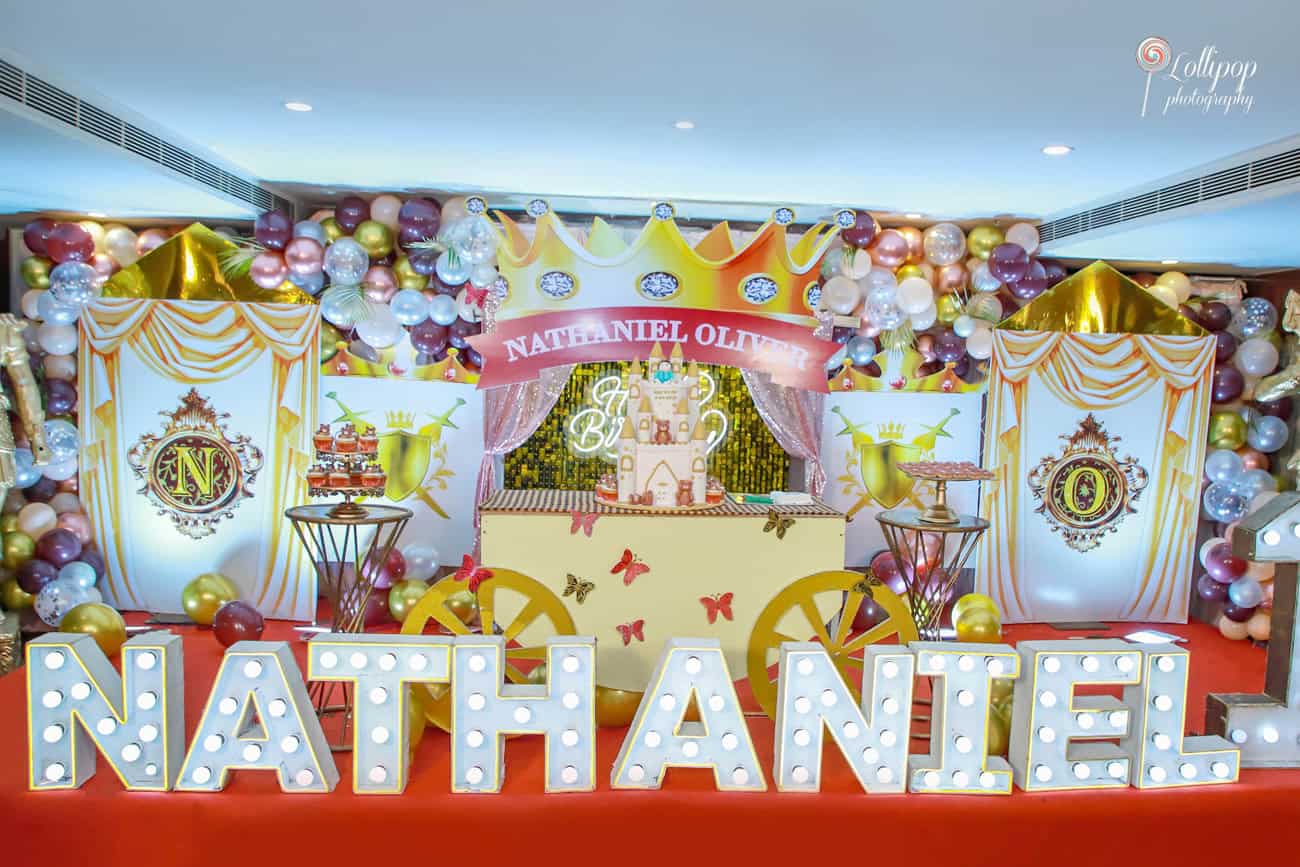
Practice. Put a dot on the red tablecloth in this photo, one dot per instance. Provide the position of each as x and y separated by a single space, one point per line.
1256 821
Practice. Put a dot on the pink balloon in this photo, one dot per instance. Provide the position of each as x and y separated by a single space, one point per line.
268 270
886 569
889 250
322 214
381 279
150 239
79 524
304 256
104 265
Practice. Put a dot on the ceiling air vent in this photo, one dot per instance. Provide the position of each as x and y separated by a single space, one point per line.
41 96
1274 169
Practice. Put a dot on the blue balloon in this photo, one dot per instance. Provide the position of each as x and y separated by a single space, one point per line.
310 229
27 475
81 574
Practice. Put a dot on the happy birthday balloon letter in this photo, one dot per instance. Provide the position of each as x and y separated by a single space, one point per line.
660 737
1105 483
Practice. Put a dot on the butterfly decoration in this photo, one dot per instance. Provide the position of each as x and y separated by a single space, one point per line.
474 296
778 522
472 572
869 581
578 587
630 565
718 603
583 521
635 629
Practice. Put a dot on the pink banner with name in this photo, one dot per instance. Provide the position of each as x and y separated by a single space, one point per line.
519 349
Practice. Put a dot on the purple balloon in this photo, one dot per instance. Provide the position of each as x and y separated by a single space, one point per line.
1227 383
1009 263
1208 588
948 347
1055 271
420 212
1280 408
423 261
459 330
429 337
60 396
471 358
1215 315
1237 613
842 334
1221 564
35 574
41 492
59 546
351 212
273 229
1226 346
408 235
862 232
1033 284
95 560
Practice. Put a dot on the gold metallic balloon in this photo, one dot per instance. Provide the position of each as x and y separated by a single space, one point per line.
18 549
333 231
13 597
464 605
375 237
415 715
981 626
538 674
1227 431
910 270
1001 690
100 622
402 597
330 341
9 522
948 308
972 601
36 272
999 730
408 278
616 707
982 239
205 594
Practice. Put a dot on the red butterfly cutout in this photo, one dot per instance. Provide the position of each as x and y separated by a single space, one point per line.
474 296
582 521
630 566
473 573
630 631
718 603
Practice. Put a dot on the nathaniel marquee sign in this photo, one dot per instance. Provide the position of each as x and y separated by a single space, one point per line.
520 348
258 716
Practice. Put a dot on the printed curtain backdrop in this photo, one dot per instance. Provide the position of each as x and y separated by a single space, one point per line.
864 437
1097 441
196 420
430 443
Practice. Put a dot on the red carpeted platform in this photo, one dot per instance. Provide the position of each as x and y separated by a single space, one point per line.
1254 822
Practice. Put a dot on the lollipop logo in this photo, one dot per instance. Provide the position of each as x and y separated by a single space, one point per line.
1152 56
1204 80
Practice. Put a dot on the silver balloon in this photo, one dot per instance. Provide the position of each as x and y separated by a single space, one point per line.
48 309
861 350
1266 433
442 309
452 268
421 561
1250 483
884 316
73 283
381 330
27 474
310 229
1245 592
1223 502
982 279
346 262
309 283
410 307
61 436
1223 465
483 274
338 311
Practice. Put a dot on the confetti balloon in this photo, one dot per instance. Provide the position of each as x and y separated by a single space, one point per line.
61 436
1256 317
945 244
1224 502
346 262
73 283
59 597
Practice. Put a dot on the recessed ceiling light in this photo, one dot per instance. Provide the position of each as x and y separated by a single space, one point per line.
1168 261
912 216
1057 150
298 106
685 124
96 215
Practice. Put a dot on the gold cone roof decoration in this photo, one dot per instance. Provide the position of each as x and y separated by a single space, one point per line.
187 267
1100 300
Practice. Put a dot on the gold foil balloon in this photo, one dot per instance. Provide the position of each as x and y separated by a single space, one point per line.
415 716
205 594
538 674
1227 431
982 239
333 231
948 308
18 549
616 707
36 272
464 605
402 597
14 597
330 339
911 270
972 601
979 625
915 244
101 622
999 730
9 522
375 237
407 277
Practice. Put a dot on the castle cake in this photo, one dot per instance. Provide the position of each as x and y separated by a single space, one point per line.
662 447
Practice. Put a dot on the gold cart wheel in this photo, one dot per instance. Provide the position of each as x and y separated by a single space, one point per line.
538 614
793 615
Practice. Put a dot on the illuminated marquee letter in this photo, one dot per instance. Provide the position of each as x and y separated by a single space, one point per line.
380 670
258 717
484 712
660 738
77 703
1049 720
1164 757
811 694
958 762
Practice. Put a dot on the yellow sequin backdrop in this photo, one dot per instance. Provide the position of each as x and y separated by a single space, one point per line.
749 459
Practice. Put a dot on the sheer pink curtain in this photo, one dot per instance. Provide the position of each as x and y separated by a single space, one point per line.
511 413
794 416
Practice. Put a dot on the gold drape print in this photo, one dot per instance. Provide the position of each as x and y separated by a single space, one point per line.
191 343
1091 372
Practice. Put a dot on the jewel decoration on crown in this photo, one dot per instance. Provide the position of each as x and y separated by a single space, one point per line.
555 270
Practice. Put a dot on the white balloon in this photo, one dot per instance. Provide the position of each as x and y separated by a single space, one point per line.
48 309
924 319
62 471
840 295
914 295
381 330
421 561
1025 235
57 339
964 326
855 264
31 303
442 309
980 343
409 306
120 243
982 279
483 274
1164 293
1256 357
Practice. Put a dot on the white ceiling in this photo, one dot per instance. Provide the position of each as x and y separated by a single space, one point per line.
937 108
